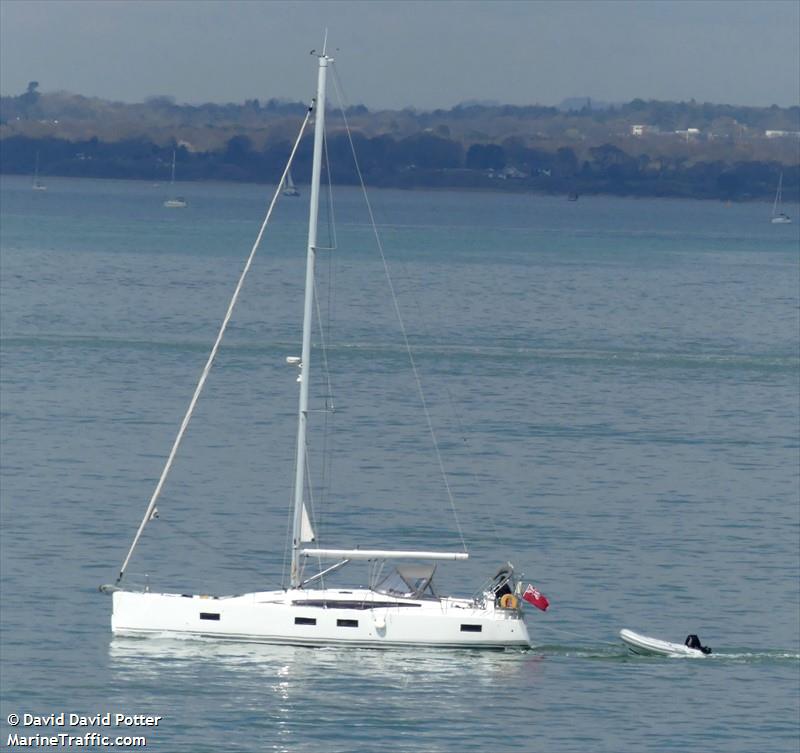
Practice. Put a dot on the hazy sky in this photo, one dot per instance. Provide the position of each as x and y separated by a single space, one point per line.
398 54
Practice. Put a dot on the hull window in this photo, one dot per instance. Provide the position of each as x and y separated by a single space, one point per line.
305 621
471 628
347 623
209 616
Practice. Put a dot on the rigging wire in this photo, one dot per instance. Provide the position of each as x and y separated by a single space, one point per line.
331 219
289 515
453 410
476 483
329 406
328 421
330 401
151 507
327 411
311 514
398 314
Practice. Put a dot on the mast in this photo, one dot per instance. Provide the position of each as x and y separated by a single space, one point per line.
305 362
172 179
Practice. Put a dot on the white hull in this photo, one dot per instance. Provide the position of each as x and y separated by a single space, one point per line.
358 617
646 646
781 219
175 203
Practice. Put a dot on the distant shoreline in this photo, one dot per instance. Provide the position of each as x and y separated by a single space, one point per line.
517 191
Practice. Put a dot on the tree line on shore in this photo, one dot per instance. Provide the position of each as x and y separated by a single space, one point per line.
494 147
419 161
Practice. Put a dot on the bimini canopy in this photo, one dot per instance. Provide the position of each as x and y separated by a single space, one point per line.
409 581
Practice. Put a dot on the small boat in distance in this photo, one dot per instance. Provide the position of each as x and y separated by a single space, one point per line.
289 188
779 217
174 202
37 184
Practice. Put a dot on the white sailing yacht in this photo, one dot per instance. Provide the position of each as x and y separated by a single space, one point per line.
778 216
396 609
37 184
174 202
289 188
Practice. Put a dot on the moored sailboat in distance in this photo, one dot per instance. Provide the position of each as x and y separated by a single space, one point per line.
174 202
37 184
396 608
779 217
289 188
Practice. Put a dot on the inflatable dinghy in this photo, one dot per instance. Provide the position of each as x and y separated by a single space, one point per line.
646 646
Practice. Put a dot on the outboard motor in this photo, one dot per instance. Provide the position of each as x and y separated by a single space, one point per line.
692 641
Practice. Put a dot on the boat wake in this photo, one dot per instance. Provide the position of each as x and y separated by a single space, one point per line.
172 647
618 652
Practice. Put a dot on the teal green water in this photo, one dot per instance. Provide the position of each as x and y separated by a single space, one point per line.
614 384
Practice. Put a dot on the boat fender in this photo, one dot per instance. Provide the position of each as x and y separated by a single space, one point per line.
380 623
509 601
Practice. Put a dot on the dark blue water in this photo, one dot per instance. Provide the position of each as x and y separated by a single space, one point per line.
614 385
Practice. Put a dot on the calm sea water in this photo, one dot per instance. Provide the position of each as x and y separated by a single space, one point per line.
614 384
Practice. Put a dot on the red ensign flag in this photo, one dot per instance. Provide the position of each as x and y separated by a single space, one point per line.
538 599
